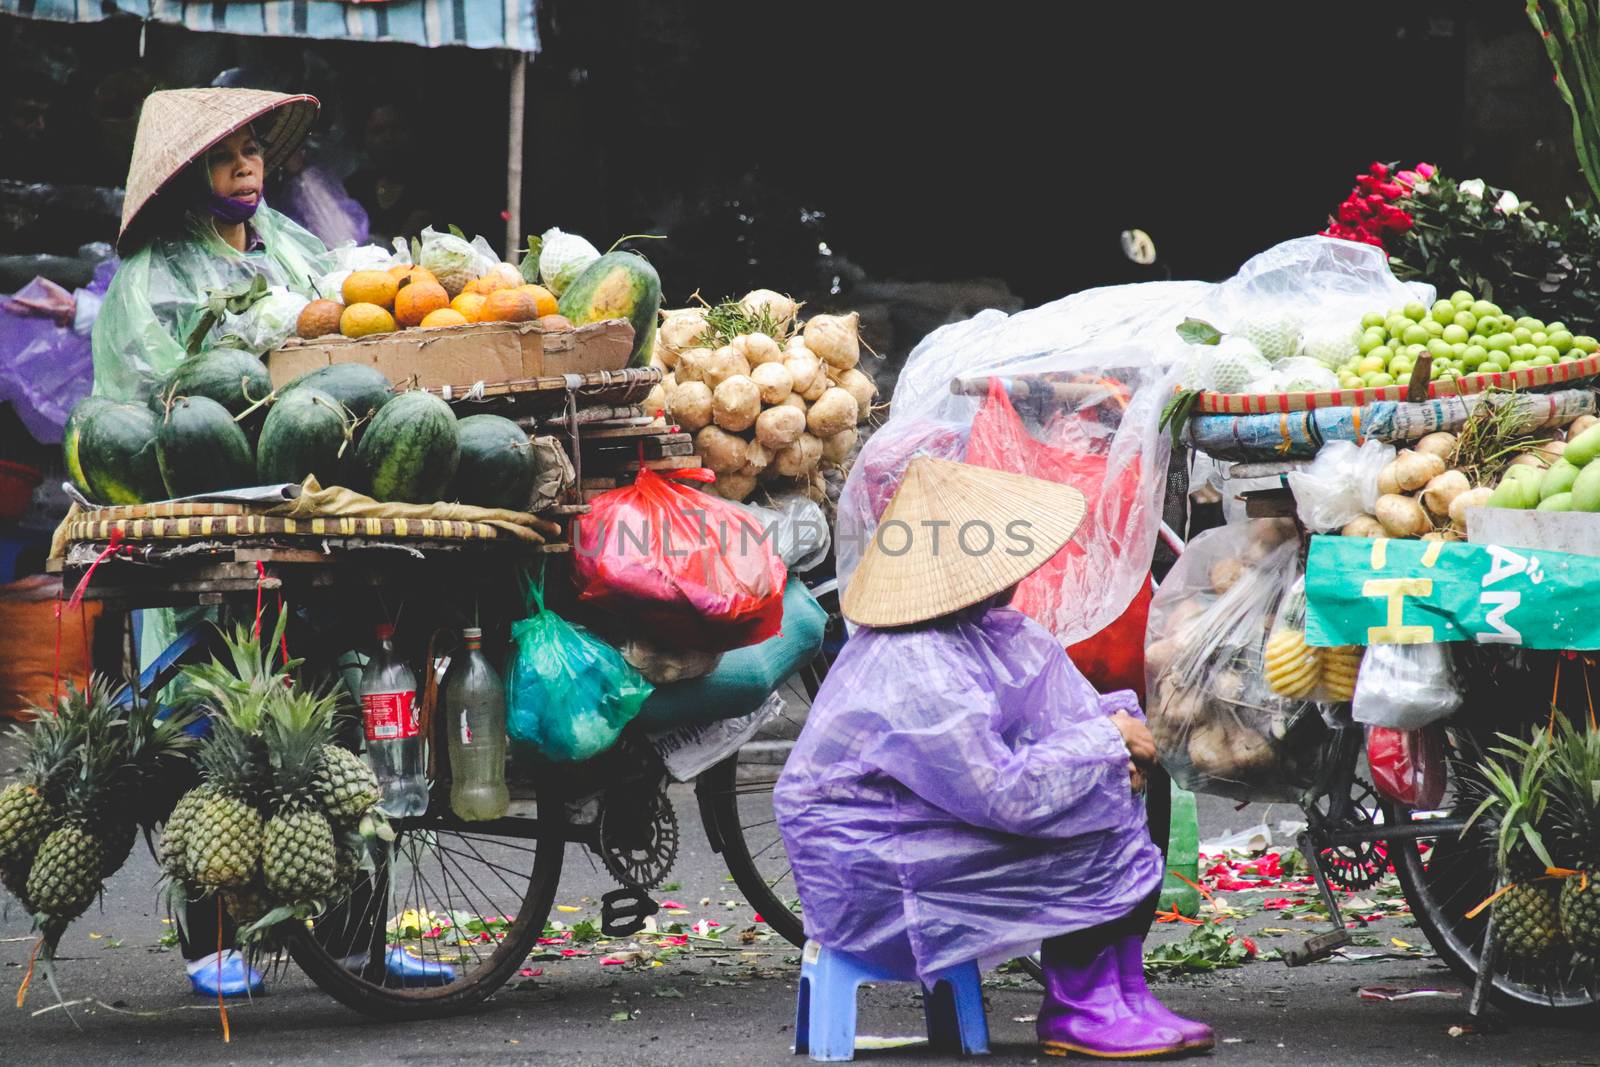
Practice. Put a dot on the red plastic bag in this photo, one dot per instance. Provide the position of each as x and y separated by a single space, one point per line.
1069 590
1407 765
690 569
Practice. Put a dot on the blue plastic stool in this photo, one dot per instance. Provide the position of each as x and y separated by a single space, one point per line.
825 1015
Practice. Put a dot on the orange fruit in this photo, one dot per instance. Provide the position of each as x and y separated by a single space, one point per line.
543 299
319 318
444 317
489 283
362 320
470 305
416 299
400 270
371 287
509 305
555 322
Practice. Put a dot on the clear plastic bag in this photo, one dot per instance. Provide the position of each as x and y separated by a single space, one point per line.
1220 727
268 322
568 693
662 666
1406 687
1340 485
798 527
1407 765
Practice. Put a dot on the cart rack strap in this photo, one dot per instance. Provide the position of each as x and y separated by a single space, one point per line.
1370 591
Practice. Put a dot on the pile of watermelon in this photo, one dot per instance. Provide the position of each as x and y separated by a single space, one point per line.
215 423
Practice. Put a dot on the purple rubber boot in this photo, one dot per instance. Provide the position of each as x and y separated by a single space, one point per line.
1143 1003
1084 1013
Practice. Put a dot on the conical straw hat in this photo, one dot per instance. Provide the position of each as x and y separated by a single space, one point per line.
178 126
955 535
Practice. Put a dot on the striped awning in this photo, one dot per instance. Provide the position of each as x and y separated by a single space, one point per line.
507 24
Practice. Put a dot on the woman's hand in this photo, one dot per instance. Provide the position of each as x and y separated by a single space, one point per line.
1136 735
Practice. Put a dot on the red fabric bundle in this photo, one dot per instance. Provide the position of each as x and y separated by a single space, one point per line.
690 569
1074 454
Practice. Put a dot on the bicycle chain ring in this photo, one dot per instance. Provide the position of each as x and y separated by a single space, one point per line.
638 843
1359 866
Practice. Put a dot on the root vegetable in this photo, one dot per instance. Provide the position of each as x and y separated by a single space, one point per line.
1438 494
778 428
1402 516
1439 444
799 459
691 365
680 330
735 403
834 339
766 301
1472 498
735 487
1271 532
1180 708
775 381
759 349
819 385
816 489
690 405
1580 424
1363 526
1225 573
756 458
1209 750
1409 471
1442 535
804 368
726 362
655 400
1159 655
836 449
1228 687
723 452
834 412
796 401
859 386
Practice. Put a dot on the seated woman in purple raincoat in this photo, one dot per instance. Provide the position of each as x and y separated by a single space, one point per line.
960 792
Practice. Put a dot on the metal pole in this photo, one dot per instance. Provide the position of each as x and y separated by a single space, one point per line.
519 89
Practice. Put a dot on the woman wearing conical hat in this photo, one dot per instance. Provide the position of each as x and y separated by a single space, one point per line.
194 221
960 792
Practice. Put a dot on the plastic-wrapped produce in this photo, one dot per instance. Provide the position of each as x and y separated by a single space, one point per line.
1230 706
1406 687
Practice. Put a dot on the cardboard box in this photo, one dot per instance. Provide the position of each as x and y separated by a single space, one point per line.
460 356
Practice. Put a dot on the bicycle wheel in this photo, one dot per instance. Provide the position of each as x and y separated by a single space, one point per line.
1443 878
447 916
737 810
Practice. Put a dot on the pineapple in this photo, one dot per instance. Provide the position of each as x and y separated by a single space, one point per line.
175 834
247 905
1527 915
345 784
298 859
222 834
29 809
66 874
1575 818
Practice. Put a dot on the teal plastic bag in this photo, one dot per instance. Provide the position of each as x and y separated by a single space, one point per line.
568 693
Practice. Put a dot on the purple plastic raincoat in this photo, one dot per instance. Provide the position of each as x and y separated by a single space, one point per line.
960 793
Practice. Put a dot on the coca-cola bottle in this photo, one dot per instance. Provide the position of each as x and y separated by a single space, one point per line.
474 703
394 745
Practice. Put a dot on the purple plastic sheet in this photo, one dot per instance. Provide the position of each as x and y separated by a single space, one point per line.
959 793
317 200
46 363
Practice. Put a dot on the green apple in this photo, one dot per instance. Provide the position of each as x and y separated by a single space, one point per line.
1481 308
1456 335
1378 379
1371 319
1560 340
1414 311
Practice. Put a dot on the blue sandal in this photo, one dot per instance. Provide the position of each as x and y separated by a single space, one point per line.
231 977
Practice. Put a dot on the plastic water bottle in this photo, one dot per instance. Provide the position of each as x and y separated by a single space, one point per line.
1183 855
390 712
474 703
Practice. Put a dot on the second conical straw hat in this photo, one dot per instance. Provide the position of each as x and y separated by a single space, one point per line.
178 126
955 535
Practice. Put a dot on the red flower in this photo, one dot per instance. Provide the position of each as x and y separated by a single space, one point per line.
1379 171
1427 170
1390 190
1352 211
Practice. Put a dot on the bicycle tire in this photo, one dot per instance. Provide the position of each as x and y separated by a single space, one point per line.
719 790
384 1001
1441 891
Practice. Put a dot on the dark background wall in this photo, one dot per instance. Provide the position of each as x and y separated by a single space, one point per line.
919 142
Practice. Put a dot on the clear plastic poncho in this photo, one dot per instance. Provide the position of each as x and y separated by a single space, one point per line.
159 293
960 793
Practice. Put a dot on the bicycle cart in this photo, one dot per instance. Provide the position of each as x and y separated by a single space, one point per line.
492 883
